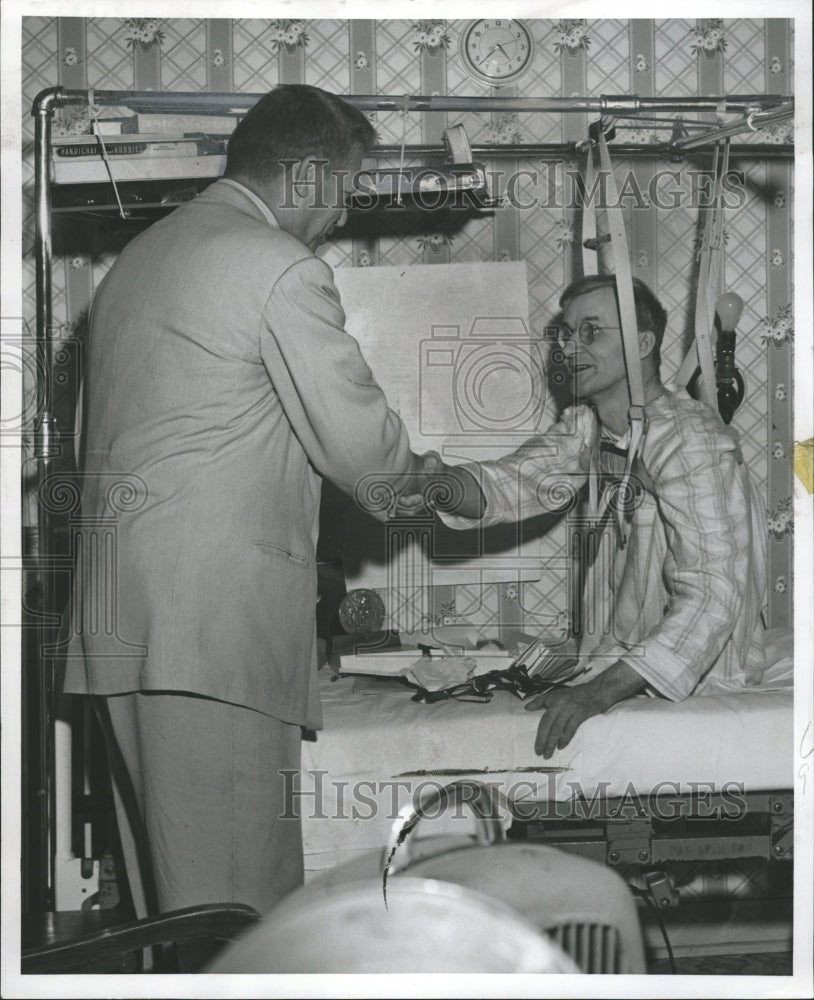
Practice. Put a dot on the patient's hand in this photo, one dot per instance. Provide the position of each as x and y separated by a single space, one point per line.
566 708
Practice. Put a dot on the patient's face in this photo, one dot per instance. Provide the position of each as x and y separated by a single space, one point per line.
597 368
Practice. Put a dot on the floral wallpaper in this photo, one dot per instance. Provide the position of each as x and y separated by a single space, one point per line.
143 32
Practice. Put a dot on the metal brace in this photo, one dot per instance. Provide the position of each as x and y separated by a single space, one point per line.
661 888
781 811
628 841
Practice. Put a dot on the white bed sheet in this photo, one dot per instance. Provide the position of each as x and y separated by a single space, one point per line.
401 748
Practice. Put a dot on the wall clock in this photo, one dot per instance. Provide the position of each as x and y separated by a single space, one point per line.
497 51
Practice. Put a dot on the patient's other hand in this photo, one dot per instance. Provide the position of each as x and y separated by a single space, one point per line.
566 708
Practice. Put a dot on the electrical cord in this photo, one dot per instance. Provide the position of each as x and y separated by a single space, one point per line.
645 895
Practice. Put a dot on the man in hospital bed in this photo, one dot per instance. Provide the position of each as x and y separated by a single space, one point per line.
676 592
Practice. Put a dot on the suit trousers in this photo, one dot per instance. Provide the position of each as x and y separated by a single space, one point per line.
205 778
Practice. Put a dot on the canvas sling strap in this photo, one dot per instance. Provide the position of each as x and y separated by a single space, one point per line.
710 258
590 252
587 588
630 332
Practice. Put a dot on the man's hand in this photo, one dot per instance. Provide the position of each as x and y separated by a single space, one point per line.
444 487
412 503
566 708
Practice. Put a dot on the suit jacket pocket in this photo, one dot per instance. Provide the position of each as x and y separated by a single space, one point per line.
283 595
279 550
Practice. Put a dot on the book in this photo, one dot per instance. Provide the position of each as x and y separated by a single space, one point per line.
142 145
95 171
177 124
79 160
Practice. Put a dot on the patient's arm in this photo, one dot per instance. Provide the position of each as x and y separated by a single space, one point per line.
543 474
566 708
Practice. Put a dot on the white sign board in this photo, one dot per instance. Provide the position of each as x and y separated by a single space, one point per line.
451 347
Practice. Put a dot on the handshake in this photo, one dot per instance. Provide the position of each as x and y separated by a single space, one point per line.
435 486
563 451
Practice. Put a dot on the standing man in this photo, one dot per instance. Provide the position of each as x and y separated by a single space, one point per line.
674 608
222 386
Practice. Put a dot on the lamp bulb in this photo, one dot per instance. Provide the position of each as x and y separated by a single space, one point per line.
729 308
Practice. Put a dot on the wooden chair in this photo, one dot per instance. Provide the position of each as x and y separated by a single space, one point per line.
87 942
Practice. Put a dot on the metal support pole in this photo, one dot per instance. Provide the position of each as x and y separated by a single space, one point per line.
557 151
147 102
753 121
41 683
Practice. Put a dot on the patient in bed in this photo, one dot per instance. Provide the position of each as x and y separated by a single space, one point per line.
672 580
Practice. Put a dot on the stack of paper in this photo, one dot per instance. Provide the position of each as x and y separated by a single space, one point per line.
551 663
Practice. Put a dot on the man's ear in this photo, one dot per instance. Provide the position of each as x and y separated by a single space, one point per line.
647 342
303 174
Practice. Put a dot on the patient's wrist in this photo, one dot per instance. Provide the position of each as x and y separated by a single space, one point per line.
619 682
456 491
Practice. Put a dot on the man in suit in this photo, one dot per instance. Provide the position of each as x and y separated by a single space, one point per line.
221 388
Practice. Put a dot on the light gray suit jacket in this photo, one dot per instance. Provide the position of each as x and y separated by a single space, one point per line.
221 384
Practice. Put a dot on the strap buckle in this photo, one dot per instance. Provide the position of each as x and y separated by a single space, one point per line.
636 413
604 126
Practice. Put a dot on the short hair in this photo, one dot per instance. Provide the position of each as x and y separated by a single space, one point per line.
292 121
650 313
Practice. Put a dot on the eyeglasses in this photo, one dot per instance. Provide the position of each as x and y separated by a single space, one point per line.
586 331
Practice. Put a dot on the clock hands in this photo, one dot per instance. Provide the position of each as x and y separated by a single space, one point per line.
498 46
506 55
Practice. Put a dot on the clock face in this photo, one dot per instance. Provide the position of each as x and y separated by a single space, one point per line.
497 51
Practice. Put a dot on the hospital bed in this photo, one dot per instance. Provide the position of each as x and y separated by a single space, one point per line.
690 802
